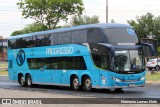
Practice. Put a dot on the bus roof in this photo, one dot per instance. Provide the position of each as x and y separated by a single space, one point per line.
100 25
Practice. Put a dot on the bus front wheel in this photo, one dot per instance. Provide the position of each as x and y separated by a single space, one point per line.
87 84
29 80
75 83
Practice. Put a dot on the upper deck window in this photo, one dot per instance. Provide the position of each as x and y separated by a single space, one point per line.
121 36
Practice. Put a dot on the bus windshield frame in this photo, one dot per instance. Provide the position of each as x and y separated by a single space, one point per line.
128 61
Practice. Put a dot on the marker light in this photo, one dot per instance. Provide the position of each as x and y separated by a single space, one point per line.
142 78
116 79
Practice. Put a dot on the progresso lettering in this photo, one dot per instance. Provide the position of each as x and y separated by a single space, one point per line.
59 50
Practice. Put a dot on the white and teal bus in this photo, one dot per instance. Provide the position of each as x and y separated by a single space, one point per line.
86 56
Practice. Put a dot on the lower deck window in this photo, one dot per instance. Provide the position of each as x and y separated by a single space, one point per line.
69 63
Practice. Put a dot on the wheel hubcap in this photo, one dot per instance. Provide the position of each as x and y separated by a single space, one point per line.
22 81
29 81
75 83
157 68
88 83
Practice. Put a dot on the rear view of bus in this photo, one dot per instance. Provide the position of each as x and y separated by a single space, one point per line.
82 57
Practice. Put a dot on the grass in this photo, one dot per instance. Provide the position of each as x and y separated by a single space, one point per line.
153 77
3 65
3 72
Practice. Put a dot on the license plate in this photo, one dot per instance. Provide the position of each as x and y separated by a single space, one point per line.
132 85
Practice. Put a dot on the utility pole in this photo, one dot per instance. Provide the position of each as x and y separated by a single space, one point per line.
106 11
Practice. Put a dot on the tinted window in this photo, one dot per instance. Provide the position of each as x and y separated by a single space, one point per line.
79 36
46 40
64 38
95 35
11 44
40 41
100 56
121 36
53 39
20 43
29 41
70 63
10 64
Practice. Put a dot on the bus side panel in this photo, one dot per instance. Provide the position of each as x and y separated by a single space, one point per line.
12 72
91 71
104 78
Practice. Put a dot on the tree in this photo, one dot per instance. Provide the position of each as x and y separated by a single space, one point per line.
30 28
147 26
158 51
50 12
83 20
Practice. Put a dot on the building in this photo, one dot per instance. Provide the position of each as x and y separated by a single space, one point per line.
3 50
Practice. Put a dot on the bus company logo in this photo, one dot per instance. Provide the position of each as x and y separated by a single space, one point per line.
59 50
131 31
20 57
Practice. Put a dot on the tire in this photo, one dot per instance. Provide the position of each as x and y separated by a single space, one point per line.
22 81
29 81
118 89
75 83
157 67
87 84
150 69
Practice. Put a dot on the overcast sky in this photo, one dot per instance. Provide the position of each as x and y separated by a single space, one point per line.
119 10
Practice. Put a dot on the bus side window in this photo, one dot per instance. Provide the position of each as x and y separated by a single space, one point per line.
76 63
40 40
54 63
11 44
10 64
46 40
62 62
53 39
79 36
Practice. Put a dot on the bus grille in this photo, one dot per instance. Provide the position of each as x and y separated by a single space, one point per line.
136 80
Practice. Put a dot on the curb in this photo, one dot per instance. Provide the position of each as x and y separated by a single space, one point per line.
152 83
3 75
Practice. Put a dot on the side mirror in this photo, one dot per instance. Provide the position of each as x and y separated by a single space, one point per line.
150 46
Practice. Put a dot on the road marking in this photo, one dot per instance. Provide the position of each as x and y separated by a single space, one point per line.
7 83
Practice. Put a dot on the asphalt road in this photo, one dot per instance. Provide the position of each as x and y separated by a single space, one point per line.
148 91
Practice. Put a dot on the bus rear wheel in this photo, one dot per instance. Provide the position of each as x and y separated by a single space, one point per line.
75 83
22 81
29 80
87 84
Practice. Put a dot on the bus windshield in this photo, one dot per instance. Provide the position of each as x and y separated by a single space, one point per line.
128 60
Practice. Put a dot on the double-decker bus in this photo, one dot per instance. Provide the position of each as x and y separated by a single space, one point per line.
86 56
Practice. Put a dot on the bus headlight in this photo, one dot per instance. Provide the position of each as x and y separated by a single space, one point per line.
116 79
143 78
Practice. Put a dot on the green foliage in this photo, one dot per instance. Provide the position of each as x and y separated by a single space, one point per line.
158 51
50 12
83 20
147 26
30 28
